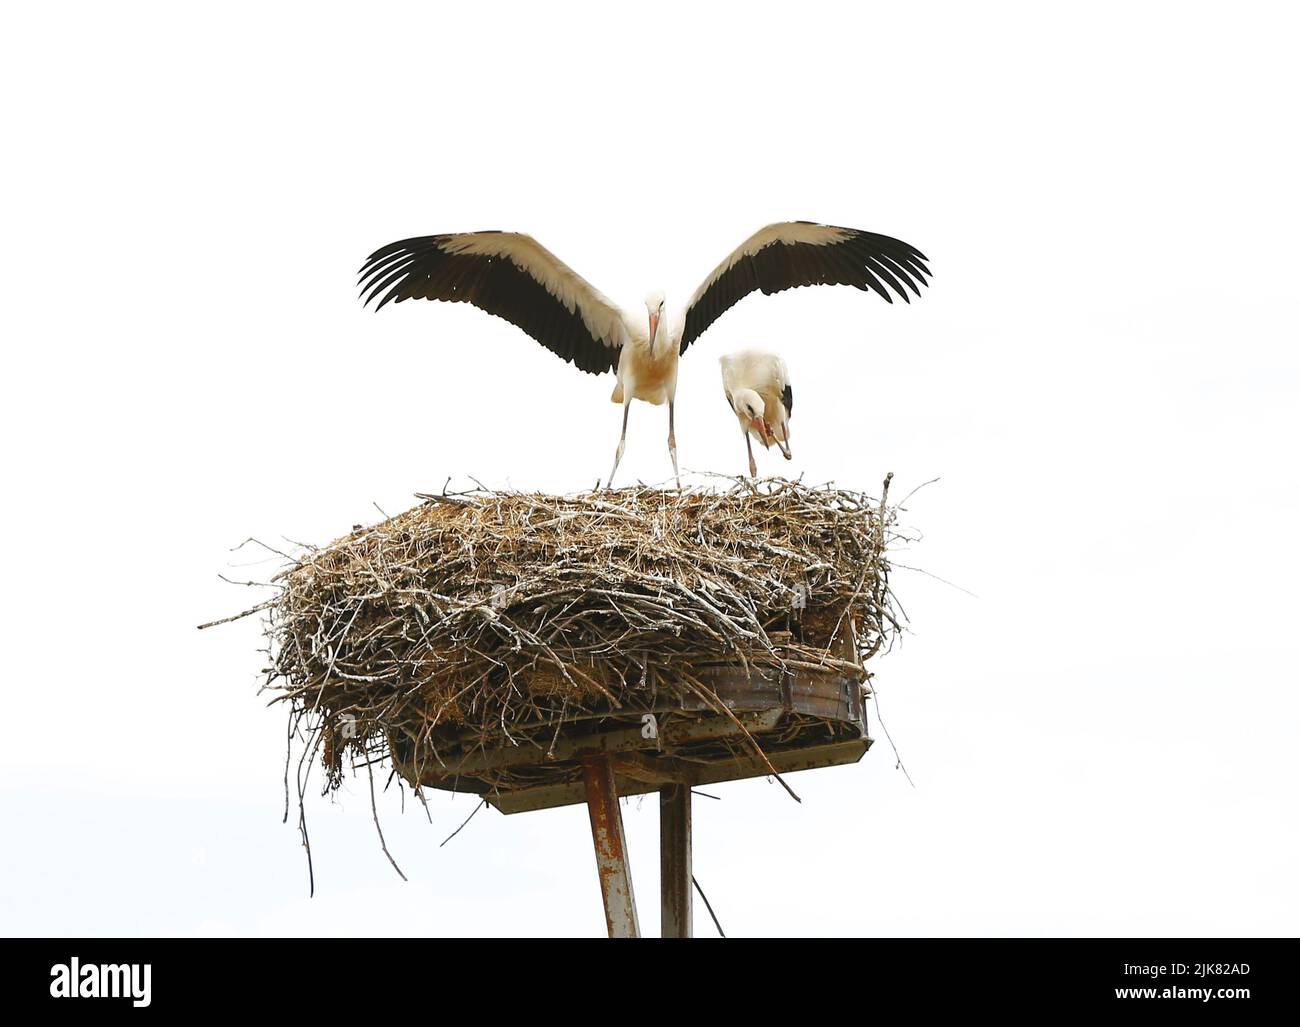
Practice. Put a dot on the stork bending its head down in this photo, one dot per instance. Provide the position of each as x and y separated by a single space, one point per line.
514 277
757 386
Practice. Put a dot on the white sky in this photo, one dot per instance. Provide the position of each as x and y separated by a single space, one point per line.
1103 377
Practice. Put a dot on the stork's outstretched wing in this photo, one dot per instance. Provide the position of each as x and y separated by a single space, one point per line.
507 274
793 253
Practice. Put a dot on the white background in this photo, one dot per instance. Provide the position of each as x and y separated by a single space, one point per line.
1103 377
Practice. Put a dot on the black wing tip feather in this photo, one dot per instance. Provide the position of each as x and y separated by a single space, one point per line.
909 262
388 267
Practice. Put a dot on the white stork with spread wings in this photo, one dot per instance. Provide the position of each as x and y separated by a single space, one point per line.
513 276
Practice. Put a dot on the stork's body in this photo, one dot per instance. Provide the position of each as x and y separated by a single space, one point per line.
758 388
645 374
647 370
515 277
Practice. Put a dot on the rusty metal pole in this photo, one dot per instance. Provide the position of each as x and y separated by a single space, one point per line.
611 847
675 860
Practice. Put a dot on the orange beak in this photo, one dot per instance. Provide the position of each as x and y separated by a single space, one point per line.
654 330
763 431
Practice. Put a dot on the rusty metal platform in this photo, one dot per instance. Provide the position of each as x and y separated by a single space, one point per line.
755 723
800 721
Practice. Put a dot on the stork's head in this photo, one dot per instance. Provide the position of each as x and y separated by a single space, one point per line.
654 307
748 405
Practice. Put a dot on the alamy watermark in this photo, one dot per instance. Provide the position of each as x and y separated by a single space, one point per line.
102 980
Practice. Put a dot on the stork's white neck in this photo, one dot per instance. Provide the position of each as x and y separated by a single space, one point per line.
669 331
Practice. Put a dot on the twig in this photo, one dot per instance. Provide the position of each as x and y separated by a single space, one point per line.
374 809
921 570
251 610
708 906
458 830
898 760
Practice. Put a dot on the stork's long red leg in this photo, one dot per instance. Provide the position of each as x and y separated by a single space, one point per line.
672 445
622 441
749 447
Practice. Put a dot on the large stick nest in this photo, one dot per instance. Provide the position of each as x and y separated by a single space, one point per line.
492 615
